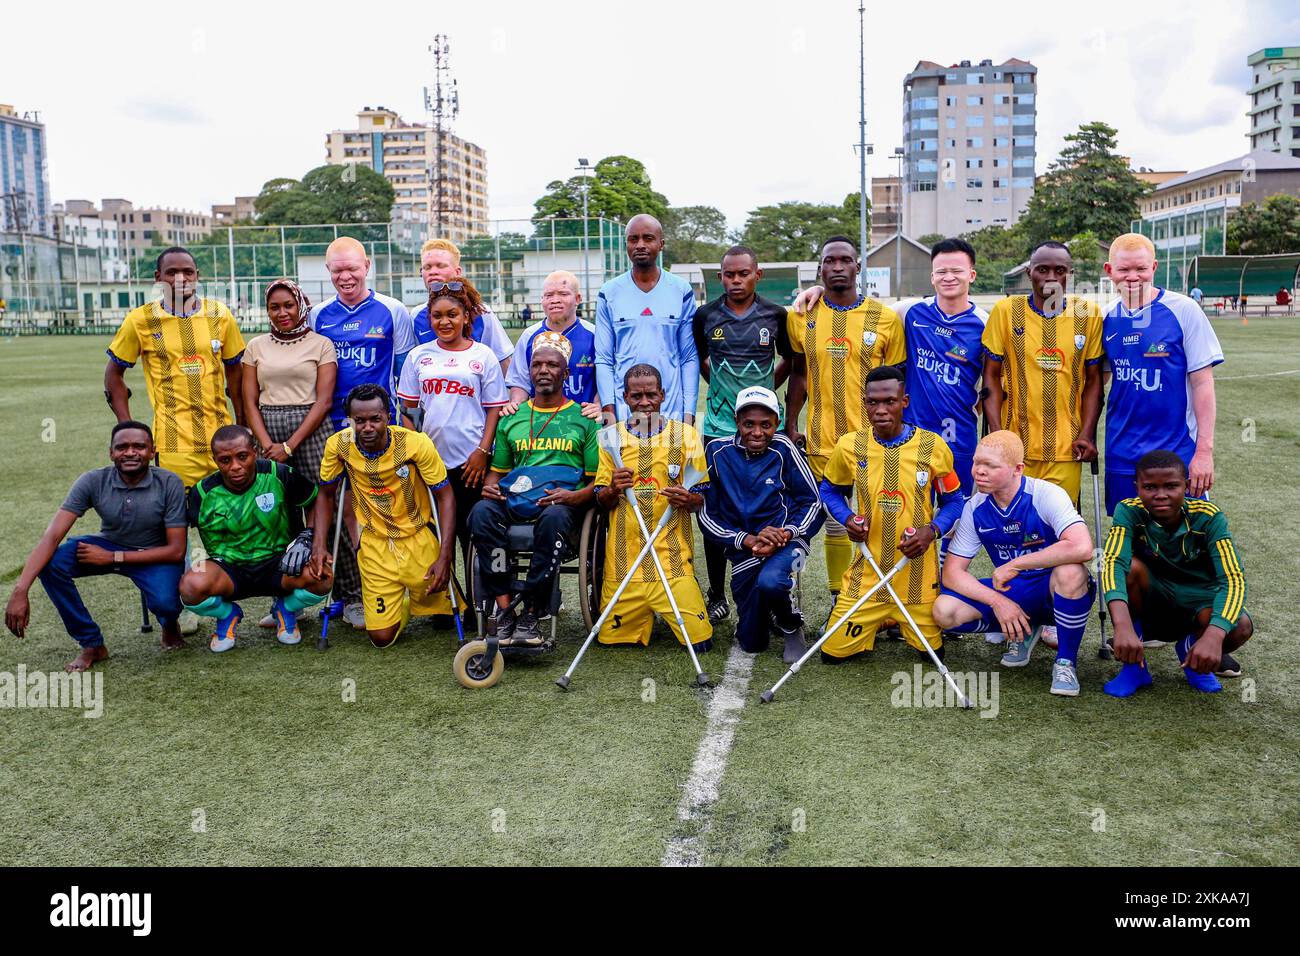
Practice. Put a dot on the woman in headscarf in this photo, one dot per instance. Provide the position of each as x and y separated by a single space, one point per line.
287 397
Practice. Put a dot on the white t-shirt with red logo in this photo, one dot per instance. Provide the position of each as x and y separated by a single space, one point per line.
453 388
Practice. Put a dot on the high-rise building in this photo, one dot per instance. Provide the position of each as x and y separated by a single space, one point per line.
406 154
886 207
24 179
1275 99
969 135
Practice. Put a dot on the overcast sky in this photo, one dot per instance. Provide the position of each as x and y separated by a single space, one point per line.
729 104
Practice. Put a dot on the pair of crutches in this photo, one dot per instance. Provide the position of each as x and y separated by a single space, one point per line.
883 580
609 440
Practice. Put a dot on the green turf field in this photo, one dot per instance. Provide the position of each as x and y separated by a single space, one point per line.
256 757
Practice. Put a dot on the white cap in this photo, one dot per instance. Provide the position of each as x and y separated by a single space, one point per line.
758 395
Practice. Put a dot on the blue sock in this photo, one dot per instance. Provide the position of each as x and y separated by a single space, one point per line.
1071 618
300 600
1205 683
1130 679
214 606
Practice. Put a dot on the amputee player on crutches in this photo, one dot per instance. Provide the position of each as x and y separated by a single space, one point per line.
889 470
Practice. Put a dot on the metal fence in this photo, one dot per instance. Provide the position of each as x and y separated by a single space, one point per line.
51 286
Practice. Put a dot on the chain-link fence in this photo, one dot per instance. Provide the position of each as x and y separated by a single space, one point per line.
51 286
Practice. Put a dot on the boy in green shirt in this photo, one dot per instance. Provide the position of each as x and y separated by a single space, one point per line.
243 513
548 430
1172 574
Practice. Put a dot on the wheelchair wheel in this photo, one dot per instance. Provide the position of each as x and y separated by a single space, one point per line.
591 565
473 669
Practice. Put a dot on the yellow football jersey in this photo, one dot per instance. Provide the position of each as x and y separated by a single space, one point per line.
1044 358
893 485
184 369
389 491
653 460
842 346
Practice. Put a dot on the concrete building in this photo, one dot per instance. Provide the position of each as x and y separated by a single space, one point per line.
1156 177
24 178
140 229
970 138
886 207
241 210
406 154
1187 216
98 249
1275 100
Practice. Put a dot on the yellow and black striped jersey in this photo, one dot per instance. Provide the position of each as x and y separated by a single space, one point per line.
184 364
654 461
894 484
390 493
1044 360
842 346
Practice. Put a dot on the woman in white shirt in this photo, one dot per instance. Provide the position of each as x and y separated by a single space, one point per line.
459 385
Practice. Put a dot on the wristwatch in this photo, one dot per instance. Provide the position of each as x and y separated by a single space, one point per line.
118 558
288 449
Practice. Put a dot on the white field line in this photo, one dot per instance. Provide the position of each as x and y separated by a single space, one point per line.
1237 378
702 786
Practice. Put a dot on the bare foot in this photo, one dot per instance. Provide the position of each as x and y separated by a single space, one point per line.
171 639
87 659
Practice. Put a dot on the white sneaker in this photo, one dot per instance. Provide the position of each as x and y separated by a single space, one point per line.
355 615
1047 634
995 637
188 622
268 622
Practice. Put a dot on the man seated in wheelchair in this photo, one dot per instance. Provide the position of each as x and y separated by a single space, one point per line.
762 507
541 472
662 462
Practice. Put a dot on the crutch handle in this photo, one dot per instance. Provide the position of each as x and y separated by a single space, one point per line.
1092 466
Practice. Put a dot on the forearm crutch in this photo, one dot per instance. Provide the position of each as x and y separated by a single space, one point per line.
332 607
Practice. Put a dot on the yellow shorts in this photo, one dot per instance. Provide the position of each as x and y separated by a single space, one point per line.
191 466
634 615
390 569
818 465
1065 474
858 633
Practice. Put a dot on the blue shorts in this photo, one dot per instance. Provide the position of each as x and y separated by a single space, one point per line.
1033 592
963 466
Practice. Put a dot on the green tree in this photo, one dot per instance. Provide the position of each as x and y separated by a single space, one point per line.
350 193
620 189
998 250
930 238
1088 188
794 231
694 234
1270 227
1086 253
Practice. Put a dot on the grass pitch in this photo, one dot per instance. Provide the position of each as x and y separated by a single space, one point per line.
257 757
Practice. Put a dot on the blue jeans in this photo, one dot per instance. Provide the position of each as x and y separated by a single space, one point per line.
159 583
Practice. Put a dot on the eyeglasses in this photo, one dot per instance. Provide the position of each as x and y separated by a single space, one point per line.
446 287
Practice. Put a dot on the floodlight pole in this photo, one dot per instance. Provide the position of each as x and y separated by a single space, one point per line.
863 148
583 168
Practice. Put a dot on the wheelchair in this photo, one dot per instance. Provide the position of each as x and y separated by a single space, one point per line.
480 662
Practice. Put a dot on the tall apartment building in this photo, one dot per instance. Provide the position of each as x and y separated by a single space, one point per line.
1275 99
406 153
886 207
24 179
969 136
142 228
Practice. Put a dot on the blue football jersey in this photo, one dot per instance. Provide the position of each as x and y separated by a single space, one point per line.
368 337
580 386
486 329
944 362
1151 352
1035 519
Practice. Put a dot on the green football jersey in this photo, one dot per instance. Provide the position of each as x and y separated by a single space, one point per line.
254 525
547 436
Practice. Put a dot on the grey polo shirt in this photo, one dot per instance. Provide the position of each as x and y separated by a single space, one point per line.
133 516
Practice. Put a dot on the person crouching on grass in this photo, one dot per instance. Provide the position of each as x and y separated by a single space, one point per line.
245 514
392 472
1038 544
1171 574
762 507
656 452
